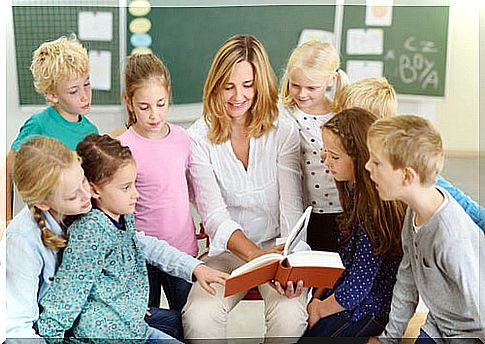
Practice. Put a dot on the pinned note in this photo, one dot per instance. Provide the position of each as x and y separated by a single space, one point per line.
365 41
378 13
359 69
100 69
95 26
318 35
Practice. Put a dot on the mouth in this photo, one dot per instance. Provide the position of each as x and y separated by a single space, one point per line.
154 125
86 107
87 205
238 105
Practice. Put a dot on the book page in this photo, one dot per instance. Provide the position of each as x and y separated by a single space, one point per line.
258 261
316 258
298 233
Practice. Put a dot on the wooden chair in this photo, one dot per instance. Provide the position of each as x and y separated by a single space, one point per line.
253 294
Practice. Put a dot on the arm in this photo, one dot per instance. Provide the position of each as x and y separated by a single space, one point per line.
472 208
9 189
289 176
24 266
65 299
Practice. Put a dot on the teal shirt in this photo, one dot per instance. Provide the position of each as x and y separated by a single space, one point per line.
50 123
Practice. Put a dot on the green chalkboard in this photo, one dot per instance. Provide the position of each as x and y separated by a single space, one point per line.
34 25
187 38
415 47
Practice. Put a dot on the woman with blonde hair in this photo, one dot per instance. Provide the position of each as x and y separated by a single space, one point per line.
246 178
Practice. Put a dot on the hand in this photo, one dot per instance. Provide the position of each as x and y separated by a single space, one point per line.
260 251
373 340
206 275
148 313
313 309
290 291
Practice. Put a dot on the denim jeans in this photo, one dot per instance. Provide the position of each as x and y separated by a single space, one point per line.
423 338
337 326
168 321
176 289
156 336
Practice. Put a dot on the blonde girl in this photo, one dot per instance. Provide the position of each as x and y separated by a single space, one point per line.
162 154
51 182
312 68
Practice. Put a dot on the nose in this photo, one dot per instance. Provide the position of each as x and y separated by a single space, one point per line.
302 92
136 194
367 165
324 156
238 93
86 193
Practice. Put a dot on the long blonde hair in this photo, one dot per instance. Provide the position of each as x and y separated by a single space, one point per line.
318 57
264 110
37 171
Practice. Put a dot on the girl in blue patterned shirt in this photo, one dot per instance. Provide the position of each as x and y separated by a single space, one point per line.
101 287
358 305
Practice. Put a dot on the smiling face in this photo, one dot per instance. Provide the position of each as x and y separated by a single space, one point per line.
308 90
239 91
387 179
336 158
71 97
150 106
119 195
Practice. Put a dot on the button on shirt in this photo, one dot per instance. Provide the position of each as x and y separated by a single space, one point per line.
264 201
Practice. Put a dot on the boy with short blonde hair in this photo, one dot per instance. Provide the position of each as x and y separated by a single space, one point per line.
441 244
60 70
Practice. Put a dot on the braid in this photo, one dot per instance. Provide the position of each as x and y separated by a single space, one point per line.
49 239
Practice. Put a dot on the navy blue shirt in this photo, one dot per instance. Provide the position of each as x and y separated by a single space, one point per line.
365 287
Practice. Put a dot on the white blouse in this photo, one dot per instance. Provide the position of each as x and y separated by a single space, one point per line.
264 201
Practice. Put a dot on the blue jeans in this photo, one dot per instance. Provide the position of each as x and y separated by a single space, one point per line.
176 289
423 338
337 326
156 336
168 321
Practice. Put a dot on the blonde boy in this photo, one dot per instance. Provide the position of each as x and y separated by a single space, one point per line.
60 70
441 244
377 95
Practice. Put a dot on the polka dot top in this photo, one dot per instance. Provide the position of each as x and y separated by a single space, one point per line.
319 189
365 287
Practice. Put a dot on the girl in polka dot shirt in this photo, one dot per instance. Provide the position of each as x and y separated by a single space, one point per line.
369 242
311 69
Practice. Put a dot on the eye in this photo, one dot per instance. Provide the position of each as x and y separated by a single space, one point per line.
248 85
72 92
87 83
162 104
73 198
334 157
143 107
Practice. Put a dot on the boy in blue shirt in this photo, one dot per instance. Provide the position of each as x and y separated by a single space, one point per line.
60 70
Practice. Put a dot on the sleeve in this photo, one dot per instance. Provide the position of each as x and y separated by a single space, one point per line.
23 269
360 276
167 258
30 128
472 208
404 301
289 177
82 262
208 199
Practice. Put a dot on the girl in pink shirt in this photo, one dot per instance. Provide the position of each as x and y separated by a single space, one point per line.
162 154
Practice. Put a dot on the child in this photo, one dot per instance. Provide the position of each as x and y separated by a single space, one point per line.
60 70
369 240
50 180
442 258
378 96
162 154
311 69
101 286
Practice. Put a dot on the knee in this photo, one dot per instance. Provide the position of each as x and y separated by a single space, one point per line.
279 323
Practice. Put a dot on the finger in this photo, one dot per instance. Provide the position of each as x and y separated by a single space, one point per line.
289 289
207 288
278 287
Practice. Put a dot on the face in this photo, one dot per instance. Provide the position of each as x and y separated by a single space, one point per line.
239 91
386 178
119 195
308 90
336 158
150 105
72 97
74 196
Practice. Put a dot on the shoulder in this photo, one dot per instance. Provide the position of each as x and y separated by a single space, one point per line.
93 221
22 225
286 131
88 123
179 133
127 137
198 131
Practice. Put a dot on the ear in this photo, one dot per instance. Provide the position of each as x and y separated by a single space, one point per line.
409 176
94 190
42 205
51 97
331 81
128 102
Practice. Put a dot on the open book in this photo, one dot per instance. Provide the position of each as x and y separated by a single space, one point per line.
314 268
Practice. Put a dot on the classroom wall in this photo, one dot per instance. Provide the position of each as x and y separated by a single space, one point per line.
456 116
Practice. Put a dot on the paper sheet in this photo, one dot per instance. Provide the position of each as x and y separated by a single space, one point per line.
378 13
319 35
95 26
100 69
359 69
365 42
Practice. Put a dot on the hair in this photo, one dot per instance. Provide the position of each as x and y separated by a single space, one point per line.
57 60
376 95
410 141
102 156
264 109
314 57
139 68
37 171
381 220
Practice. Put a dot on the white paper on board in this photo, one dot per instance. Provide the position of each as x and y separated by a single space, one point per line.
365 41
360 69
95 26
318 35
378 12
100 69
